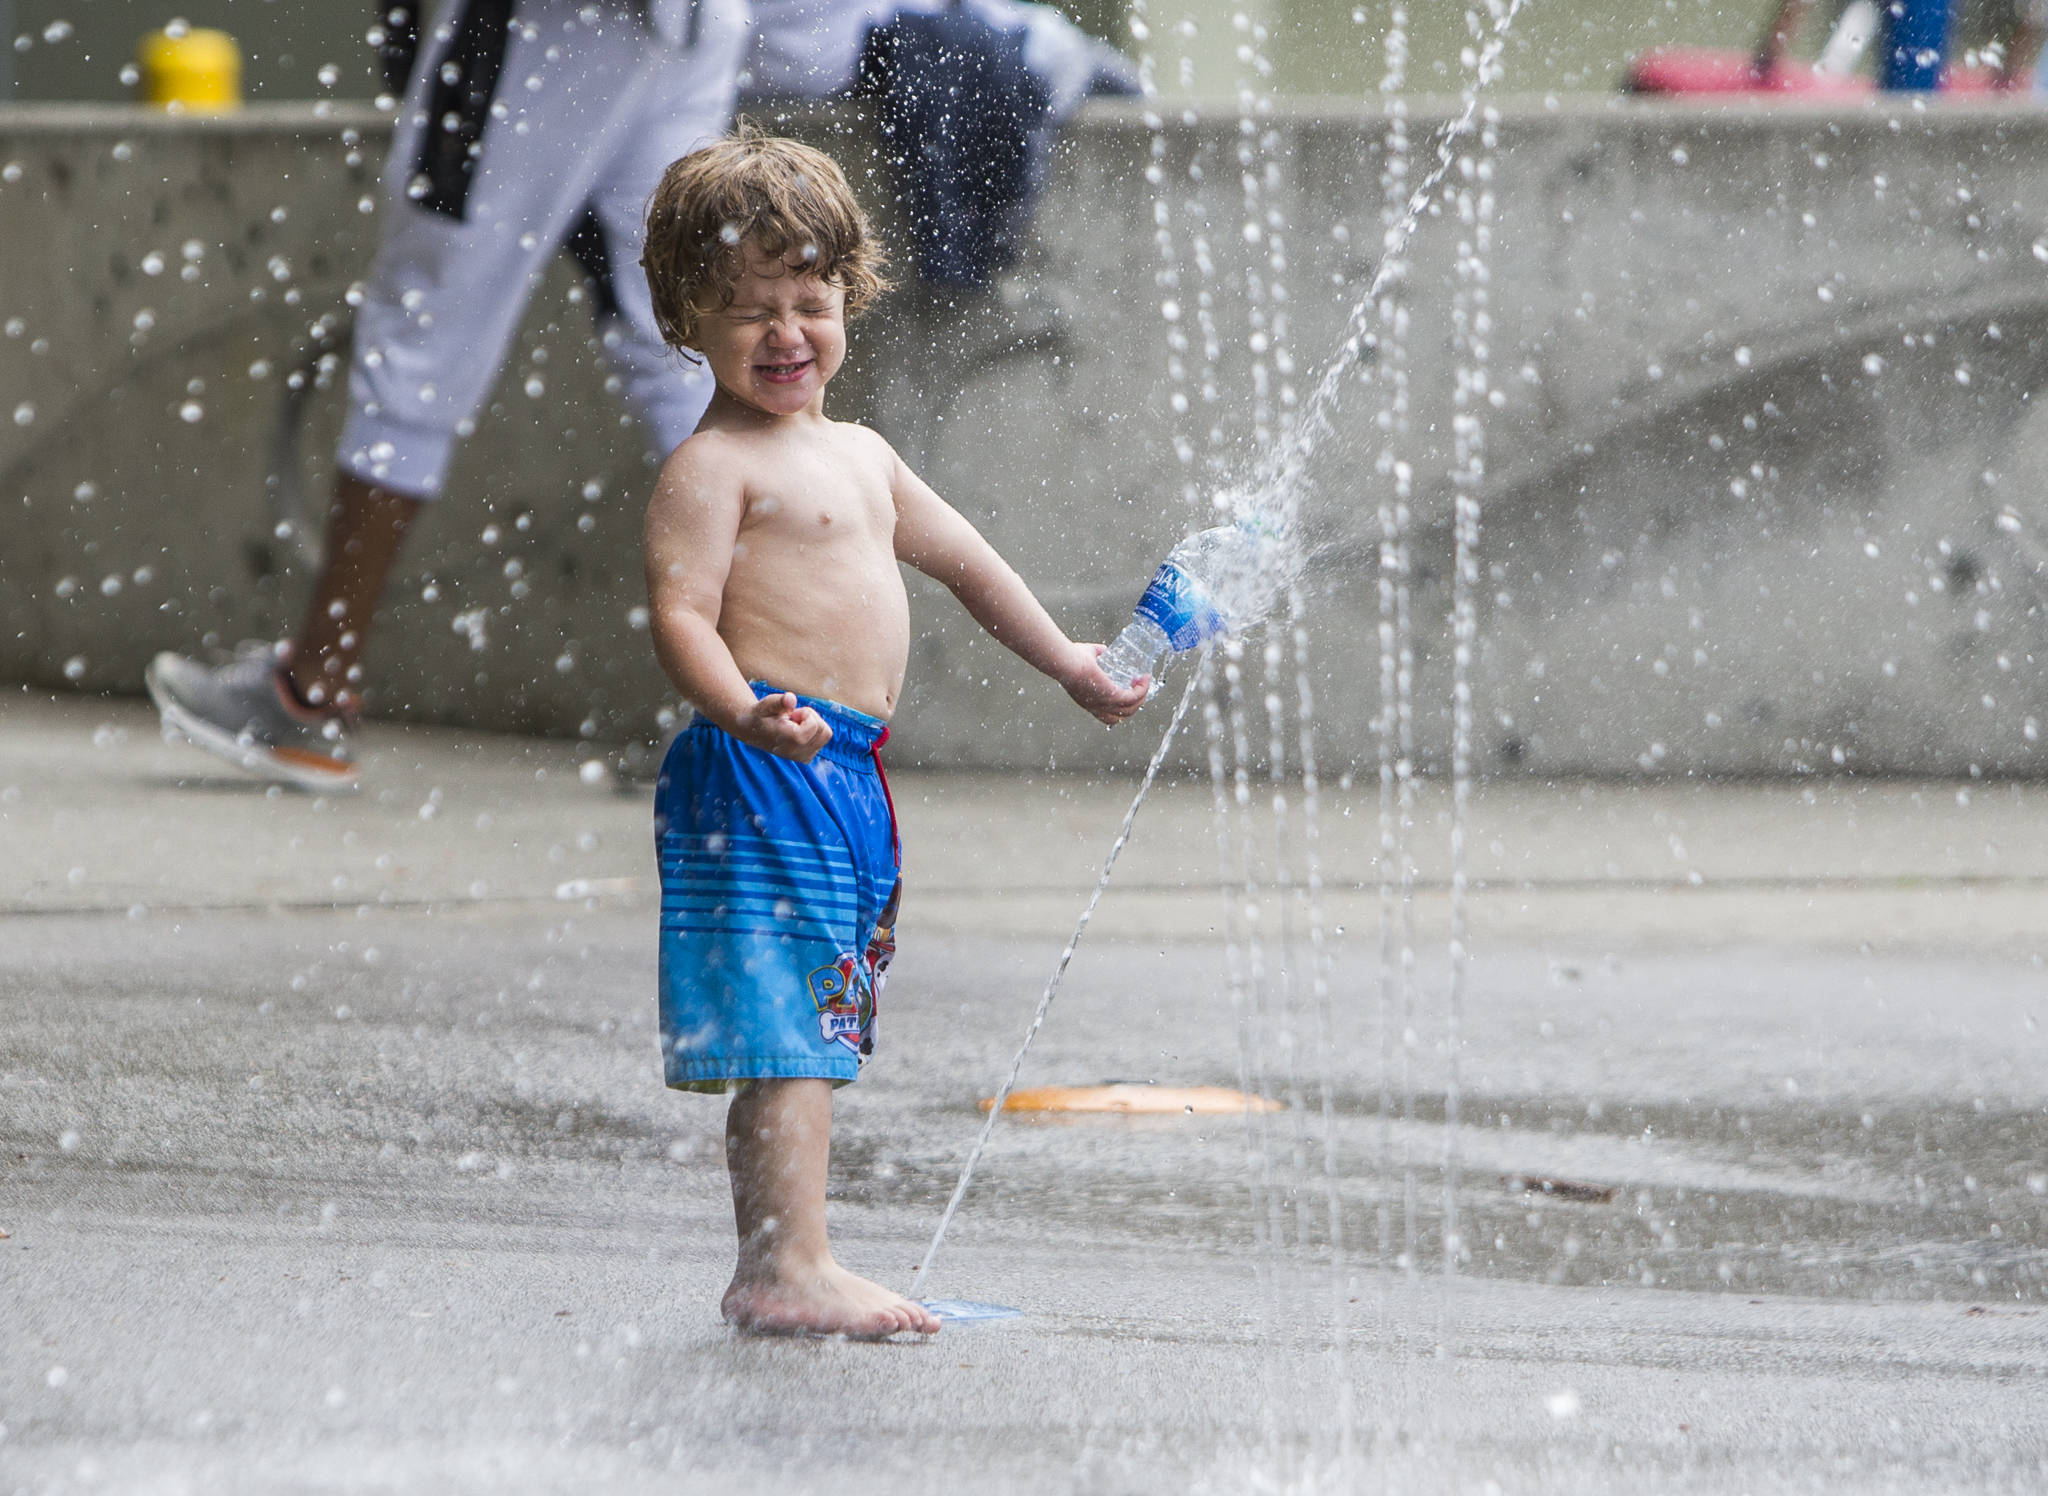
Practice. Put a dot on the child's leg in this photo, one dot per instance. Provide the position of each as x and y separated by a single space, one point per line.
778 1137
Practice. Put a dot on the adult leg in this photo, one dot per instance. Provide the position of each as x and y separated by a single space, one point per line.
778 1139
687 105
365 528
1912 45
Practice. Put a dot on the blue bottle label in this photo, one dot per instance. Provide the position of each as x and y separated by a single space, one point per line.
1178 605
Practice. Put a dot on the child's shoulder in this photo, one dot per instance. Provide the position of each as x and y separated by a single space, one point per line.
703 464
865 441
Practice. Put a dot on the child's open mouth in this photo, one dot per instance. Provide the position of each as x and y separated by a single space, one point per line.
788 373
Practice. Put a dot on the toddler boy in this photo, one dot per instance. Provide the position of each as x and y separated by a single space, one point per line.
772 545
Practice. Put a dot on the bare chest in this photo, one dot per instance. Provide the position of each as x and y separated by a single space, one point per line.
821 503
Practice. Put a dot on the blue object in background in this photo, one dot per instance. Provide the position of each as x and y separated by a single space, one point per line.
966 125
1912 45
955 1311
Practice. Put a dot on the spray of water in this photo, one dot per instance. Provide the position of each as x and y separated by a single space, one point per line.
1277 494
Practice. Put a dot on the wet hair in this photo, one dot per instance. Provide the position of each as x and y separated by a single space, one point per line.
759 192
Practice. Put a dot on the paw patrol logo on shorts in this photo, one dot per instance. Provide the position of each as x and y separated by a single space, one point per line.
844 1007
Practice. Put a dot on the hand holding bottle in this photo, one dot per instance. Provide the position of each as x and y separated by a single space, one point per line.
1213 583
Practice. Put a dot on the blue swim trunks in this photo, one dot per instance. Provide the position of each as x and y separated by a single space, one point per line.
779 886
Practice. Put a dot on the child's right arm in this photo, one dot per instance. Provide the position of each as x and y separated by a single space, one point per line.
693 524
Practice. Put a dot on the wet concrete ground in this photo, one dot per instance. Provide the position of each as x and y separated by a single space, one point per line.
332 1154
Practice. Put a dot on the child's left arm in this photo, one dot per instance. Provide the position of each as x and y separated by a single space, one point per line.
934 537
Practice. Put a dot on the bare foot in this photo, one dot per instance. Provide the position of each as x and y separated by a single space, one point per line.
827 1301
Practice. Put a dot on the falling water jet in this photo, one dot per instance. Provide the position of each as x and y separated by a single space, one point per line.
1052 985
1228 749
1471 324
1319 980
1394 864
1167 278
1280 471
1245 878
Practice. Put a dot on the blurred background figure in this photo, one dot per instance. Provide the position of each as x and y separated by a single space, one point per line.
528 126
2022 63
1910 44
968 96
1912 37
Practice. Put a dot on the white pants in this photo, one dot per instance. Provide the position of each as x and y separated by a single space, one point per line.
589 108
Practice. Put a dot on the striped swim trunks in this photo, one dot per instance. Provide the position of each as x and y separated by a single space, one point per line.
779 888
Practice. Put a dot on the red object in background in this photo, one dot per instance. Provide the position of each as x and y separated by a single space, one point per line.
1710 70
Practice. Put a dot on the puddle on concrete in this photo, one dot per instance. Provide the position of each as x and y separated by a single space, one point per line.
1904 1203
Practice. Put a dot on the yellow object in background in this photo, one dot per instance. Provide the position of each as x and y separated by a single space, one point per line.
193 69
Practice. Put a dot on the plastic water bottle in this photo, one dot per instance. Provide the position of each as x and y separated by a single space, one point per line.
1212 583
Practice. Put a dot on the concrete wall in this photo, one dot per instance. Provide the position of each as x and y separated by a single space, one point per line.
1765 479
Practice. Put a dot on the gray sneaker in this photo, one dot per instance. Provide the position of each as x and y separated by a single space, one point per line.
245 712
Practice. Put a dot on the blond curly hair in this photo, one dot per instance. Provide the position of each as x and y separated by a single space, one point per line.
751 190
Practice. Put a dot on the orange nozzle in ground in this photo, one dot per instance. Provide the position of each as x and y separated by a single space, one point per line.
1136 1099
